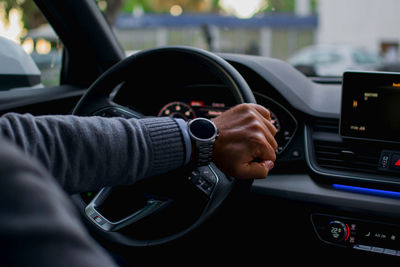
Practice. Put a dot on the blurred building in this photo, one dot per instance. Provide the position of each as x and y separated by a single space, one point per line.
271 35
371 23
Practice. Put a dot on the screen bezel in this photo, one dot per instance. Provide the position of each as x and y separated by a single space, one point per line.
351 75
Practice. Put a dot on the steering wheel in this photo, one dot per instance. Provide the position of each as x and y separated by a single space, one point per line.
157 210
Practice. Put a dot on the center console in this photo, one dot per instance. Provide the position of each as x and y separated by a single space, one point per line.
358 234
360 153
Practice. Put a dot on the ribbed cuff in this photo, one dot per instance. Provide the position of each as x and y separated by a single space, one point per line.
169 149
186 138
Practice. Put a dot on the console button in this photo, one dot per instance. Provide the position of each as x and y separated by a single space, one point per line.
384 160
389 161
395 162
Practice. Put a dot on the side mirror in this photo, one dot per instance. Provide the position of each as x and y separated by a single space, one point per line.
17 68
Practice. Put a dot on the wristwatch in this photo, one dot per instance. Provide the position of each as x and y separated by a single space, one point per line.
203 133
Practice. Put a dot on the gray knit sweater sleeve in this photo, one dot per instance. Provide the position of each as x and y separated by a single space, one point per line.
87 153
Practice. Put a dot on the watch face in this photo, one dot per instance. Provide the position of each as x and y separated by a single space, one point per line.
203 129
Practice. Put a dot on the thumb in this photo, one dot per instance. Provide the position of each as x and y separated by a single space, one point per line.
255 169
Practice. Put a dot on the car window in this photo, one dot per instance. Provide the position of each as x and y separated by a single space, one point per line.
228 26
23 29
325 58
270 28
363 57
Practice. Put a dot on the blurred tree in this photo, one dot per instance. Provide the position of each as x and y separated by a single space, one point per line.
186 5
31 15
286 5
165 5
112 8
130 5
280 6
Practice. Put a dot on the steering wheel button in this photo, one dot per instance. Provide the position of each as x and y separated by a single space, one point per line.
98 220
194 178
206 185
208 175
200 181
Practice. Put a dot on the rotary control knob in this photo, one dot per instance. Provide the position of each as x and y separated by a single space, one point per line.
338 231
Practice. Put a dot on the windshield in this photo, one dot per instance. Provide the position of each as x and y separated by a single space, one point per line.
318 37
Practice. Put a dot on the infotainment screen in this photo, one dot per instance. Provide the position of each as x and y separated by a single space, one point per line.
370 106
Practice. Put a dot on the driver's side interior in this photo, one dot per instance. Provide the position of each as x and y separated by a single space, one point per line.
243 222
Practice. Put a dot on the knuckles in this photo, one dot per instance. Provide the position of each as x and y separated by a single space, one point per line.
247 107
255 125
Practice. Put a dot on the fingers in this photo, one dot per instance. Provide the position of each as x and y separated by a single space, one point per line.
264 156
269 132
255 170
260 170
266 115
262 110
246 146
268 129
263 144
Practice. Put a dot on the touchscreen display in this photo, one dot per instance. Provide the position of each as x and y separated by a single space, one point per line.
371 106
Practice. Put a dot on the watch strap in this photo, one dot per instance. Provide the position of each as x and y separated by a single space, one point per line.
204 153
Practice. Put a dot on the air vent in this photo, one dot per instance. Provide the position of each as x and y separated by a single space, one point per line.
326 125
333 155
332 152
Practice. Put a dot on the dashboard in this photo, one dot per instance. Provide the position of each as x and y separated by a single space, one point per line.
339 180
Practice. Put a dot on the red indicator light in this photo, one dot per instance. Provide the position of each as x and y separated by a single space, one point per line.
397 163
196 103
348 232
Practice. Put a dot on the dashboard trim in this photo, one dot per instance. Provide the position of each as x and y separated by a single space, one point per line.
342 176
312 98
303 188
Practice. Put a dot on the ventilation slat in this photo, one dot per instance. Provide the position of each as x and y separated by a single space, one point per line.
333 153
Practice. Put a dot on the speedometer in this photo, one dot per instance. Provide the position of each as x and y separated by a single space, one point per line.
177 110
275 121
281 118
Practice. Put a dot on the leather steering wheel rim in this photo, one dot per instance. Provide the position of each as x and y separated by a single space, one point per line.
113 76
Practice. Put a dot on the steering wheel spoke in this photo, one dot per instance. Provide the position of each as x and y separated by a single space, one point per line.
152 205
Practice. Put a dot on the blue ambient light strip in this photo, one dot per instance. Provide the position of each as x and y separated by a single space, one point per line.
370 191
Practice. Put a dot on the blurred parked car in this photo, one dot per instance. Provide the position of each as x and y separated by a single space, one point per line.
333 60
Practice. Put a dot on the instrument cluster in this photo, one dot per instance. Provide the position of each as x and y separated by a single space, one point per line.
192 109
283 121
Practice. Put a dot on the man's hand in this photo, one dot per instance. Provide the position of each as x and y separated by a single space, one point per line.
245 147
